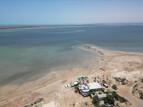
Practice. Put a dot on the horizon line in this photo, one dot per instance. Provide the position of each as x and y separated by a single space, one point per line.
106 23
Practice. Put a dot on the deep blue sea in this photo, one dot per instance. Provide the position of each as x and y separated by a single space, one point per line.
34 51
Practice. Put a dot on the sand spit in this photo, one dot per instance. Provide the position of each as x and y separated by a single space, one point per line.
113 66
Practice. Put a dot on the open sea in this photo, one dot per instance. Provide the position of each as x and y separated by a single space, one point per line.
25 54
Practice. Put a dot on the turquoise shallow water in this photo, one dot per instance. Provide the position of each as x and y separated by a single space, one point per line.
27 54
29 63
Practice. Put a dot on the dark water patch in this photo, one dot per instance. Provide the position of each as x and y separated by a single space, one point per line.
111 36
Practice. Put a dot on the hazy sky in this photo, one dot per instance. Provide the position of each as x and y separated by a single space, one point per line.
70 11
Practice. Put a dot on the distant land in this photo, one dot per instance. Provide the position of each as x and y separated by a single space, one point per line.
4 27
18 26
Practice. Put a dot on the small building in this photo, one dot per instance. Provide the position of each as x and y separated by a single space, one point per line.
85 89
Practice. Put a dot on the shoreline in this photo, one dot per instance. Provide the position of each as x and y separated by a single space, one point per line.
92 47
114 62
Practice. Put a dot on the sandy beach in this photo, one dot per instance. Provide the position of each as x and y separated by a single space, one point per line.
107 64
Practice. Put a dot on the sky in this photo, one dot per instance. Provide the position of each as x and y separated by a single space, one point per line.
70 11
